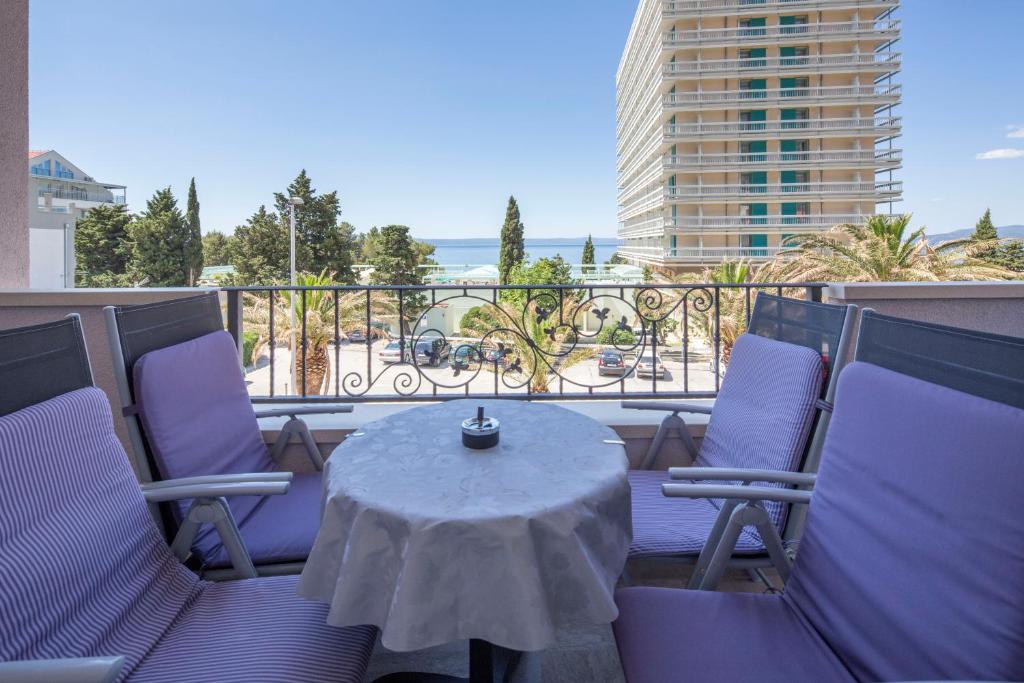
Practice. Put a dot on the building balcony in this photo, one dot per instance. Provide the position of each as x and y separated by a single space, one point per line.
869 191
678 9
847 158
877 95
698 255
880 62
774 223
880 127
82 196
756 35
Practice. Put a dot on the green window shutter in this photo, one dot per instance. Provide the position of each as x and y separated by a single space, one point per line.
757 209
753 22
792 114
787 52
755 178
754 84
754 53
787 21
788 177
759 240
755 146
755 115
789 146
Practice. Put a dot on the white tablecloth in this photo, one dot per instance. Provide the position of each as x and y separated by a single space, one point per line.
434 542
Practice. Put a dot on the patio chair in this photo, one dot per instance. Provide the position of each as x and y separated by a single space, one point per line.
910 564
782 372
188 413
91 591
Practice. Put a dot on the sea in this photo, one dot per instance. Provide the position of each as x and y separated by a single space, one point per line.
484 251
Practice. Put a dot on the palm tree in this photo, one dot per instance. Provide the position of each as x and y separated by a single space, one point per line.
317 308
534 342
881 250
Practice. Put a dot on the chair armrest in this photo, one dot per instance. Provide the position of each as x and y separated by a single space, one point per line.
741 474
751 493
305 410
232 478
80 670
666 406
237 488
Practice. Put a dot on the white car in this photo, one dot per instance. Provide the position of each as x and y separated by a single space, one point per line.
648 365
392 353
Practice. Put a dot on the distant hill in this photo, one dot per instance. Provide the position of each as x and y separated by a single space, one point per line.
1004 231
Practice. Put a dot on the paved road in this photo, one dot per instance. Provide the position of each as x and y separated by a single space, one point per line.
395 379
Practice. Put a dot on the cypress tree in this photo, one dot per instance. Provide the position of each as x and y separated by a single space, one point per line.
984 230
512 251
102 245
194 240
588 255
322 242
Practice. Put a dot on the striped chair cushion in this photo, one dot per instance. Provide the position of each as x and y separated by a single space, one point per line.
83 569
764 411
674 526
257 630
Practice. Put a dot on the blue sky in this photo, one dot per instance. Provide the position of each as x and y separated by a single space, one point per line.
431 113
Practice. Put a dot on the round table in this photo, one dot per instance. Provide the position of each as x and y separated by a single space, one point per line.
435 542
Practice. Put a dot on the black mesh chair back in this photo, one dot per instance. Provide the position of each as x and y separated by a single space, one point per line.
148 327
40 362
815 325
987 365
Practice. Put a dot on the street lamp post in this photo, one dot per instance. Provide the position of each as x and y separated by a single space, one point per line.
294 202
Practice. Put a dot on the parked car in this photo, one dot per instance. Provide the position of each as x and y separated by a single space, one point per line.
649 365
431 351
463 356
610 362
356 336
392 353
493 355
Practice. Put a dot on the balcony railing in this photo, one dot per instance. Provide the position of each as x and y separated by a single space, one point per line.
82 196
883 126
839 158
530 342
844 30
685 8
835 94
716 68
773 222
881 190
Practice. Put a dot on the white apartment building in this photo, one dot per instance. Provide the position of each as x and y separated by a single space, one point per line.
743 122
59 194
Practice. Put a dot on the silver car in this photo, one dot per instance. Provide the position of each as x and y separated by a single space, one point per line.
648 365
392 353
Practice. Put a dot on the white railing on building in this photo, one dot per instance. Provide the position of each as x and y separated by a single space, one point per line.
755 34
760 97
880 157
776 221
682 8
854 188
714 68
886 125
82 196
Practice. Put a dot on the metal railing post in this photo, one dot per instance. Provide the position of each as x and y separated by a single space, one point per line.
235 318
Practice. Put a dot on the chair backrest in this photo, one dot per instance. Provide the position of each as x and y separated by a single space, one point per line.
764 409
84 569
987 365
42 361
134 331
825 328
196 414
910 566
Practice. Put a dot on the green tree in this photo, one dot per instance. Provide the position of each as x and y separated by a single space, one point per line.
396 263
322 243
259 249
159 237
217 248
615 260
984 230
512 251
588 255
544 271
194 241
1009 255
102 245
646 274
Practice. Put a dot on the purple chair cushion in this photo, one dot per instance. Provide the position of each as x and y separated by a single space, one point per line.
281 529
257 630
83 570
197 415
912 562
764 411
674 526
666 634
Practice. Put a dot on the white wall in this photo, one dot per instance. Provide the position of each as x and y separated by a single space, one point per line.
48 259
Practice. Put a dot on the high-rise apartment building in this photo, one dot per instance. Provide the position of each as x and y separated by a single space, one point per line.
743 122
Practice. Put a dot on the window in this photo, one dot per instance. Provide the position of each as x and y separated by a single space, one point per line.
752 121
795 181
793 25
755 26
795 119
753 151
42 168
754 88
795 150
795 87
754 214
753 58
793 56
791 212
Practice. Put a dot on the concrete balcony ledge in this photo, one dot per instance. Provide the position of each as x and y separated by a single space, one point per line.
72 297
868 291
